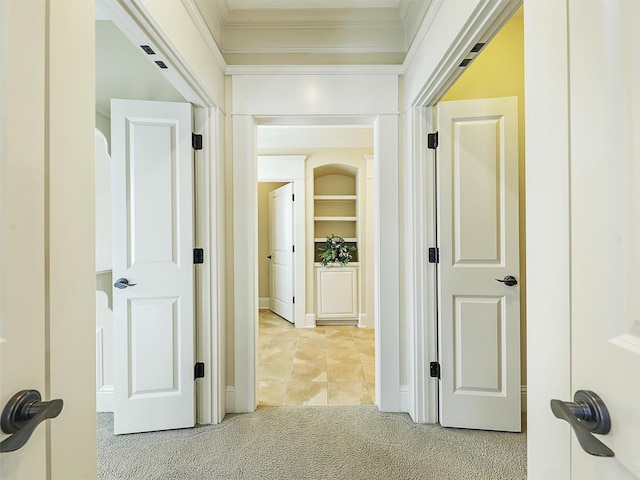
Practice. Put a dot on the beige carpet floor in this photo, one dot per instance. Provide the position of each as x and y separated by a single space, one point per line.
320 443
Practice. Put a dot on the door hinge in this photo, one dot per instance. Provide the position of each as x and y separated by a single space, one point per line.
434 369
432 141
293 197
294 299
198 256
293 248
198 370
434 255
196 141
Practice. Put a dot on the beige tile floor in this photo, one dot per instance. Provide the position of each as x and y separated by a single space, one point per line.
326 365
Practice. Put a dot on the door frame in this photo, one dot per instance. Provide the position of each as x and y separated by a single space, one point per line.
422 182
291 168
209 214
546 62
243 396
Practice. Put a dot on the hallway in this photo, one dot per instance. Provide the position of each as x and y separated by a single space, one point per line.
326 365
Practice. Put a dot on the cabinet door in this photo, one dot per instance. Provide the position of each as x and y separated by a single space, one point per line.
337 293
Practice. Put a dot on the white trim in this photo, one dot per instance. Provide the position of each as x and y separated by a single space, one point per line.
405 398
231 398
364 322
210 276
548 193
421 233
310 320
264 303
245 241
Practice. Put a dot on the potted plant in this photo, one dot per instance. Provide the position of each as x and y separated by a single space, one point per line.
336 251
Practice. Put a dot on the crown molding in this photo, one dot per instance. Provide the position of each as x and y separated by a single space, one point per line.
315 70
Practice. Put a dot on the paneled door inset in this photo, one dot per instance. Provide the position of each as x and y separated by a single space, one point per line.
479 305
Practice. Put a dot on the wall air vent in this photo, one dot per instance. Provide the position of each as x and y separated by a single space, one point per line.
147 49
161 64
477 47
465 62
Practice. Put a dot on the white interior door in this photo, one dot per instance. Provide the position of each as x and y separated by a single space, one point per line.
478 239
605 226
281 247
22 223
152 190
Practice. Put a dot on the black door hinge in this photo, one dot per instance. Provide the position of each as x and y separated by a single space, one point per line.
293 197
198 256
293 248
196 141
432 141
434 255
198 370
434 369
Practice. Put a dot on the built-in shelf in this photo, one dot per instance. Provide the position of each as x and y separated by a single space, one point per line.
346 239
335 219
335 197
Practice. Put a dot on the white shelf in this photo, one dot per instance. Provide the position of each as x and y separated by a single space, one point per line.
346 239
335 197
335 219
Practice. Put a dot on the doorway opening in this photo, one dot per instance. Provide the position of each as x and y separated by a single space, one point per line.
495 69
328 357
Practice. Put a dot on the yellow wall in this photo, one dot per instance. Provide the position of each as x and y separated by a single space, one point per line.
498 71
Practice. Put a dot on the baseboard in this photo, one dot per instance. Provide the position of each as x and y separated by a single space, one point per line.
364 321
404 398
523 398
310 320
104 399
263 303
231 399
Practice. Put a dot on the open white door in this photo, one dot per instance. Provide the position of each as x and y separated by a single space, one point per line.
46 239
152 190
22 220
281 247
479 311
605 227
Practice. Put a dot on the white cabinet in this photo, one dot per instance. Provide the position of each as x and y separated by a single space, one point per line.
337 295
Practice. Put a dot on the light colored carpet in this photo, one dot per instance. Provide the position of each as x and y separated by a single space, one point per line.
304 443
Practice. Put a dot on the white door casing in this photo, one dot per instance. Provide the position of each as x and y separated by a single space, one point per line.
281 245
605 226
477 160
152 185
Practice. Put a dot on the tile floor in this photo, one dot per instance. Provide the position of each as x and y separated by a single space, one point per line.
326 365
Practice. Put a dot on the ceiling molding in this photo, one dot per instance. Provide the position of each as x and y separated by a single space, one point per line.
302 27
309 4
315 70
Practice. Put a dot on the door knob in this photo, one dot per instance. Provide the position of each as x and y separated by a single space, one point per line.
22 414
509 280
586 414
123 283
